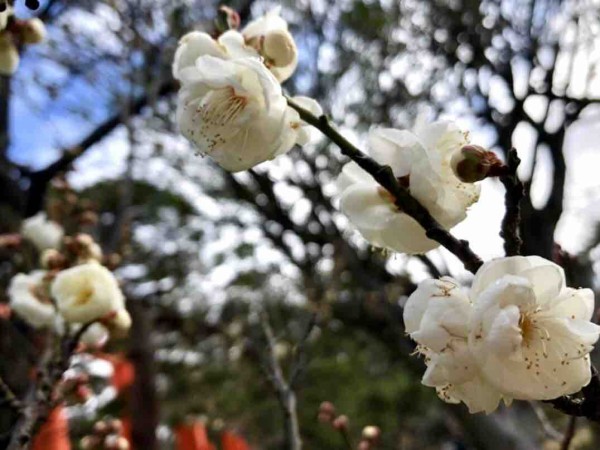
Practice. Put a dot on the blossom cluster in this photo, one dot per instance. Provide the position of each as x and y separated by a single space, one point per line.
518 333
73 288
231 105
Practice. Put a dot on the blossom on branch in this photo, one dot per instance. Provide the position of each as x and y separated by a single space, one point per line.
420 159
234 111
29 299
519 333
43 233
87 292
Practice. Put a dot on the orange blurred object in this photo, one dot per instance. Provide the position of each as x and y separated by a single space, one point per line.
54 433
5 311
193 437
231 441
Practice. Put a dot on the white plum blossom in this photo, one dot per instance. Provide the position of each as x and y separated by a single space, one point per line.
27 300
86 292
43 233
234 111
420 159
269 35
530 334
437 316
519 333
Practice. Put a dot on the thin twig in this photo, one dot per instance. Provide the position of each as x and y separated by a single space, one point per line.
285 394
512 200
566 443
39 399
299 363
548 428
403 200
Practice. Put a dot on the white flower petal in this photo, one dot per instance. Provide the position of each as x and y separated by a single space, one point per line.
395 148
573 303
365 207
404 234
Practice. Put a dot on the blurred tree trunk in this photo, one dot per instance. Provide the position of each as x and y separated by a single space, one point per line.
143 401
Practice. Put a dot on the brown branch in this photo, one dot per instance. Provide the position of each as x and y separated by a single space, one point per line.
39 400
40 179
514 194
385 177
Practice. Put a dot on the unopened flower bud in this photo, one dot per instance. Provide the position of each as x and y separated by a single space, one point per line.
473 163
364 445
327 407
115 442
88 218
89 442
341 422
116 426
279 48
9 55
121 321
52 259
33 31
371 433
100 427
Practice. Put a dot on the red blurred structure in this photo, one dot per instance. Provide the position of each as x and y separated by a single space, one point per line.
231 441
193 437
54 433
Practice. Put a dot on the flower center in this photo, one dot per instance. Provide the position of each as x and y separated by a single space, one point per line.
84 296
223 106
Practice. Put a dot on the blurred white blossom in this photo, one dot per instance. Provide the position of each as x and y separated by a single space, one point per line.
43 233
87 292
29 301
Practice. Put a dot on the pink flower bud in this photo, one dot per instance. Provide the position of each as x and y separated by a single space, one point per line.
341 422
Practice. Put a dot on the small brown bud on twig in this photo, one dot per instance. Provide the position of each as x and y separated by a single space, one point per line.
89 442
52 259
473 163
340 423
364 445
